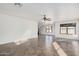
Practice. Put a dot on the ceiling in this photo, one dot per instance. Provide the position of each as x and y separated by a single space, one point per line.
35 11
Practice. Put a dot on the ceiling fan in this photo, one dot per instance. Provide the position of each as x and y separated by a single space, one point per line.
45 18
18 4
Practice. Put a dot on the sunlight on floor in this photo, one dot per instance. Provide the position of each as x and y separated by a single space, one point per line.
59 49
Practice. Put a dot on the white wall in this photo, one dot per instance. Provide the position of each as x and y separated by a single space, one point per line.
15 28
67 11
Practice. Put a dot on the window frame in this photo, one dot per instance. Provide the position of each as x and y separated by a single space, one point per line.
68 25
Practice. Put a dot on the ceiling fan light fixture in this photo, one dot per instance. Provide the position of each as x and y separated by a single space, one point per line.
18 4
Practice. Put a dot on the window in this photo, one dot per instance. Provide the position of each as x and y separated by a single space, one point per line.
63 30
48 28
69 28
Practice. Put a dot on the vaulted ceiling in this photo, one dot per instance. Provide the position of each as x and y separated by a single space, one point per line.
35 11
